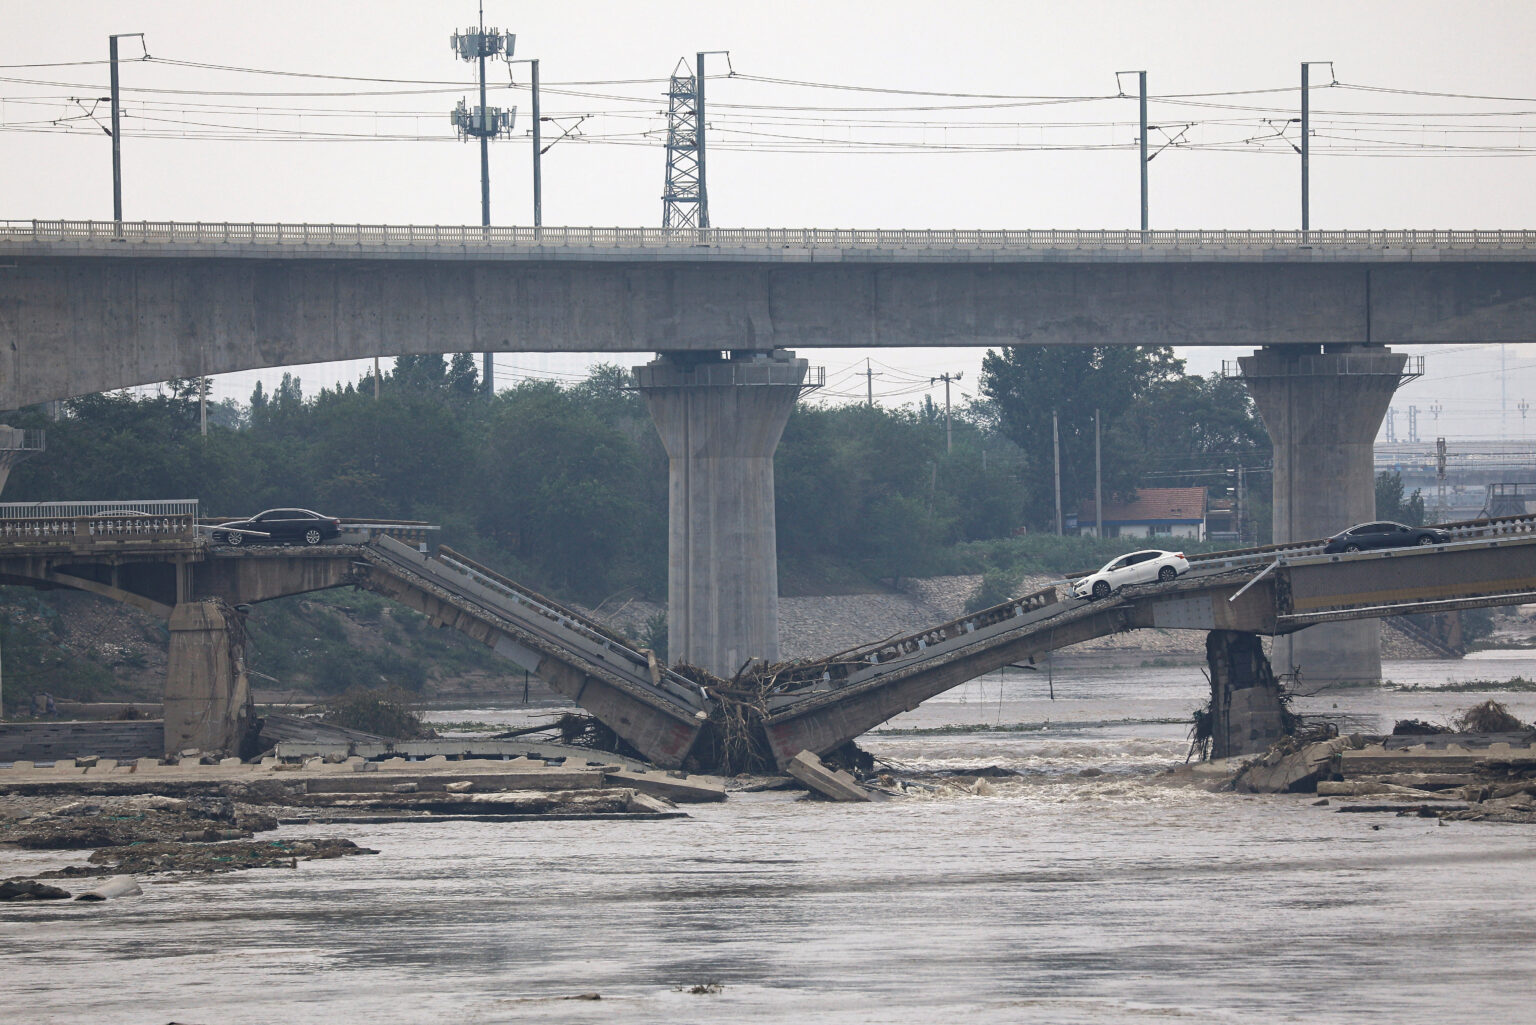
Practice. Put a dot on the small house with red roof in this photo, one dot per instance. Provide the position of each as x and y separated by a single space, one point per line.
1153 513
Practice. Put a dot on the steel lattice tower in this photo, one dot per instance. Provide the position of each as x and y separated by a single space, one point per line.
684 203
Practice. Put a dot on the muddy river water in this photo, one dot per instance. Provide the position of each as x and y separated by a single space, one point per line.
1115 896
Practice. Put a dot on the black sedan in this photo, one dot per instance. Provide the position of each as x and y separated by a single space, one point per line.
280 526
1384 534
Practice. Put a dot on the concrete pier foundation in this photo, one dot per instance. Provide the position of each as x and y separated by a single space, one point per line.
720 420
1322 406
1246 714
207 694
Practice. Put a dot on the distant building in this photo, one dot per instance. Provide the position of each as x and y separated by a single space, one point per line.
1155 512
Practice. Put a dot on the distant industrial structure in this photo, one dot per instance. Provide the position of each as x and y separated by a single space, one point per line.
1458 478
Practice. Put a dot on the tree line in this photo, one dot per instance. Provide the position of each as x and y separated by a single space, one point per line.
565 485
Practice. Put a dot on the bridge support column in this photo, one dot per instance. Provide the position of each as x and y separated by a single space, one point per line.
1322 406
15 446
1246 714
720 420
207 695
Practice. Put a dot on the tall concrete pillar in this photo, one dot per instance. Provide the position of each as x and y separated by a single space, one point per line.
207 694
1322 406
720 420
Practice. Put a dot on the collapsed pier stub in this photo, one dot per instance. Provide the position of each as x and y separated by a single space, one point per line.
720 419
1322 407
1246 713
207 693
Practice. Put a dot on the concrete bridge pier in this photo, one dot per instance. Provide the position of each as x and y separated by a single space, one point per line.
15 446
1322 406
1246 714
720 420
207 694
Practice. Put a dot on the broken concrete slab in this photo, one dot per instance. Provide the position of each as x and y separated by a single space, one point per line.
678 787
831 783
1286 770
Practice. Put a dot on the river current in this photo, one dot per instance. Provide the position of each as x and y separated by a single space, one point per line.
1091 889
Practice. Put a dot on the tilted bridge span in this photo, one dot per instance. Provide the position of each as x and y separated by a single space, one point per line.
811 704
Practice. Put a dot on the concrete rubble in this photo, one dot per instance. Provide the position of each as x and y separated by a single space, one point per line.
1451 776
178 816
833 784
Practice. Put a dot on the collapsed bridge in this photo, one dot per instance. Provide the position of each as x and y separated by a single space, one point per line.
680 714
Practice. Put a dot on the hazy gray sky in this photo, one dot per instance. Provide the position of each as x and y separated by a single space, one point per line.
225 145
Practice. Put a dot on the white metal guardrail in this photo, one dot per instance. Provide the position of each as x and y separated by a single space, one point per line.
111 526
59 522
494 237
66 510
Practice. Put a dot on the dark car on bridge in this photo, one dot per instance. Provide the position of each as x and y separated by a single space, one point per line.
1363 537
281 526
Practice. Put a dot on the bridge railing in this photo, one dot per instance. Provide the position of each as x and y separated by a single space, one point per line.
662 678
516 237
834 670
1460 530
97 528
66 510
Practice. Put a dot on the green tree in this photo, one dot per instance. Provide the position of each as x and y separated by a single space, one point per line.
1030 383
463 380
1392 505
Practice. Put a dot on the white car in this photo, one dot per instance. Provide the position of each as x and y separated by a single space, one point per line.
1134 568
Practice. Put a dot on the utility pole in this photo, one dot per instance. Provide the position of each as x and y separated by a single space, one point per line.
698 89
117 134
1440 511
538 152
1241 532
1306 134
949 440
1306 144
538 145
869 384
1142 77
483 123
1503 391
1098 482
1056 445
375 378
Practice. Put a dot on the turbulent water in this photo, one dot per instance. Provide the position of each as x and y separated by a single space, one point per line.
1057 897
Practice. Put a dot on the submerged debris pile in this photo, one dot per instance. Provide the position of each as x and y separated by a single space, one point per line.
1482 770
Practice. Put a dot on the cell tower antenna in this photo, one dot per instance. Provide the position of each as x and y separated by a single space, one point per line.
483 123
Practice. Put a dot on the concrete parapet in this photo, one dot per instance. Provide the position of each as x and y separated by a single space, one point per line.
1322 407
720 421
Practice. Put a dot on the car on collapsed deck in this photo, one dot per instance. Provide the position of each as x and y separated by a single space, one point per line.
280 526
1384 534
1132 568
